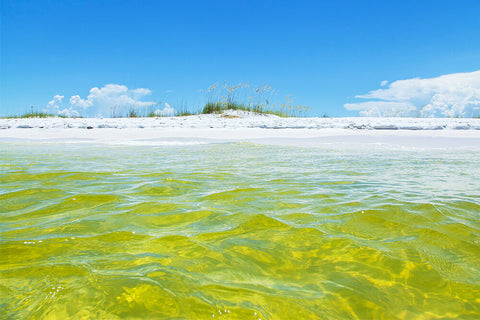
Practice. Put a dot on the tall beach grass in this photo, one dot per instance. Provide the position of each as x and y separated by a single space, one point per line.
34 113
258 99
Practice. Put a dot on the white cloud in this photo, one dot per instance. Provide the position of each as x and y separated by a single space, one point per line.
383 83
167 111
55 106
55 102
140 92
450 95
104 101
76 101
381 108
70 112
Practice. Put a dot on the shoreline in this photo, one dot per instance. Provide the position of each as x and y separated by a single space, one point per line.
236 119
332 133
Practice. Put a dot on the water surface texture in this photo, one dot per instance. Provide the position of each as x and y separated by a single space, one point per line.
238 231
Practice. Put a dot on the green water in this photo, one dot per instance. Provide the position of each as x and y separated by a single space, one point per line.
238 231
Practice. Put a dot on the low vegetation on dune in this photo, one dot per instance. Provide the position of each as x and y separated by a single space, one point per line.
37 115
262 100
34 114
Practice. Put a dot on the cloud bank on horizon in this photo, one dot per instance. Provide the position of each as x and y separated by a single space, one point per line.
109 100
451 95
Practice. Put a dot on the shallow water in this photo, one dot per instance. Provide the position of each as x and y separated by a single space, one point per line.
238 231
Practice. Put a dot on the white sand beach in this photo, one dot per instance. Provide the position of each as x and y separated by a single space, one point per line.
358 132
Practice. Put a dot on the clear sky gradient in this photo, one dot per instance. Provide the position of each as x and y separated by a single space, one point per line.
323 53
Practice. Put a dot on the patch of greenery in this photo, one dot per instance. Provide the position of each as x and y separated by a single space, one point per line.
132 113
220 107
222 97
37 115
184 113
34 114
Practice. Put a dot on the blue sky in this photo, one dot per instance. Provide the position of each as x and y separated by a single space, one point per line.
323 53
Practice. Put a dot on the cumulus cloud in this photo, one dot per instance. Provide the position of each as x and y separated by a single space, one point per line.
165 112
451 95
55 102
76 101
382 108
105 101
55 106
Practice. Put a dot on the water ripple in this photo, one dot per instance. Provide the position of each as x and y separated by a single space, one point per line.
273 233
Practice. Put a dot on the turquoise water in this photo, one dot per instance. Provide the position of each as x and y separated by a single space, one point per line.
238 231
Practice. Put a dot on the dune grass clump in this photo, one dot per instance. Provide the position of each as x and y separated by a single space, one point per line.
262 100
218 107
35 114
184 113
132 113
